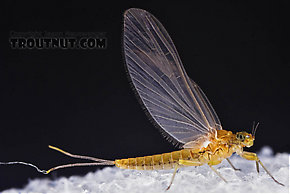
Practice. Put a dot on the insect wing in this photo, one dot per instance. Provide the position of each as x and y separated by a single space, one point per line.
174 101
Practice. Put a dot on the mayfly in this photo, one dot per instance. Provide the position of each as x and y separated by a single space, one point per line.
174 102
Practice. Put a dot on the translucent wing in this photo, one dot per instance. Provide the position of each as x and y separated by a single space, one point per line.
173 100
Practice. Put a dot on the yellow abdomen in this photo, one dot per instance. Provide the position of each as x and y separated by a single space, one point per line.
155 162
212 155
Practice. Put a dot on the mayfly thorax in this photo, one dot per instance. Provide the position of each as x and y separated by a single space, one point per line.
174 102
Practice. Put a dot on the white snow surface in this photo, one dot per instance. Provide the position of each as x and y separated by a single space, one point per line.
188 179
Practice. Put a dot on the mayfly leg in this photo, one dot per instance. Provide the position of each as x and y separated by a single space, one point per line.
269 173
253 156
257 166
175 171
219 174
183 163
232 164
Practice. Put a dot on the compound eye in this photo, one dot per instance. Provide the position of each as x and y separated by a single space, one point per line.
247 136
240 136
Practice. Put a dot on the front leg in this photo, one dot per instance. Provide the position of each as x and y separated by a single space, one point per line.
253 156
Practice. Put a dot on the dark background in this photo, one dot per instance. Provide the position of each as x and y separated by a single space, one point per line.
80 100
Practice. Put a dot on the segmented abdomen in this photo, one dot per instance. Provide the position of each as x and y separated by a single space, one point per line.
154 162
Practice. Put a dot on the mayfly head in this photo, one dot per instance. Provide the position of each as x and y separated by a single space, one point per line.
244 138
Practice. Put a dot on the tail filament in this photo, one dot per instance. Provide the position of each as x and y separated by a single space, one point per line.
97 162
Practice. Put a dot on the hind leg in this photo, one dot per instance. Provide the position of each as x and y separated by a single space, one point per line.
174 173
182 163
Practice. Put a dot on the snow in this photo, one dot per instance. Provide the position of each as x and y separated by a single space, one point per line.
188 179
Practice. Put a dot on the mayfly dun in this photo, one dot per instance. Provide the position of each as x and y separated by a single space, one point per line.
174 102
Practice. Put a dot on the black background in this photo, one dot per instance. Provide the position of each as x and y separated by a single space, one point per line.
80 100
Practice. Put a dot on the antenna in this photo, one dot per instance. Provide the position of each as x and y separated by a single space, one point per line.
254 128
